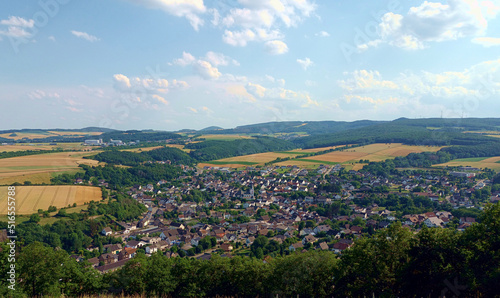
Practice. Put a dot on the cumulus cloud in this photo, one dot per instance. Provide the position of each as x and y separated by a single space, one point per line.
18 22
261 20
206 70
189 9
146 91
16 27
434 22
206 66
186 59
85 36
305 63
276 47
478 82
220 59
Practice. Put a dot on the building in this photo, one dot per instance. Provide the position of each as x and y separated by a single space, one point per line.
92 142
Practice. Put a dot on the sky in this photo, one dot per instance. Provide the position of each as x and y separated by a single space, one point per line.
189 64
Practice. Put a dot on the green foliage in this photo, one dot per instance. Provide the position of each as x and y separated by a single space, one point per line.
214 149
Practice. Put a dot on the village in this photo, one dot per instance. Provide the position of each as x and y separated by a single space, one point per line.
223 211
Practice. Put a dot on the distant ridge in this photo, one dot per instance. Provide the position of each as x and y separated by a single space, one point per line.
210 128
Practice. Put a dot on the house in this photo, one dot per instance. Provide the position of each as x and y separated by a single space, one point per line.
113 248
309 239
339 247
107 231
135 244
323 246
227 247
126 253
295 246
94 262
108 258
433 222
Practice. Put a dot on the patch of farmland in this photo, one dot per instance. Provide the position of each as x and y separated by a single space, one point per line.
31 198
373 152
22 167
482 163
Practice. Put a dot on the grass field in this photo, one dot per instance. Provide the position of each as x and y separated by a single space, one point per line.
480 162
31 198
41 167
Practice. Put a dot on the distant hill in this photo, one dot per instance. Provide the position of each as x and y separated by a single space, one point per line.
431 131
307 127
210 128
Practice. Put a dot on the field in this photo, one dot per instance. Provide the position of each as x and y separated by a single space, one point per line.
374 152
40 168
480 162
224 137
31 198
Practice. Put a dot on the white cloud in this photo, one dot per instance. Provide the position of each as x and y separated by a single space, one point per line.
220 59
487 41
122 82
477 83
13 31
322 34
206 70
276 47
434 22
189 9
84 35
260 20
206 66
186 59
242 37
256 89
52 38
159 98
18 22
305 63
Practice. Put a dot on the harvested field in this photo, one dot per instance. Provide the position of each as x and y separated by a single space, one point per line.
225 137
482 163
31 198
22 167
373 152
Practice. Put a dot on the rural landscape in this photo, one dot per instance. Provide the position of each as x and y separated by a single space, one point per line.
249 148
261 204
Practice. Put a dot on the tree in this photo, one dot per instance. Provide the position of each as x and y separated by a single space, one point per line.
35 218
41 269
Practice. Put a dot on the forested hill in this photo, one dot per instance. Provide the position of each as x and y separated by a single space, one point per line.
439 132
308 127
214 149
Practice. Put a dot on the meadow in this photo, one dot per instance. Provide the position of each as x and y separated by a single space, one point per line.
31 198
40 168
46 134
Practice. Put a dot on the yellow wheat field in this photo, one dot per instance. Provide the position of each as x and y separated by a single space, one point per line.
373 152
31 198
21 168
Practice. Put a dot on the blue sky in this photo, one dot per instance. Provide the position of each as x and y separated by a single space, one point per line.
174 64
